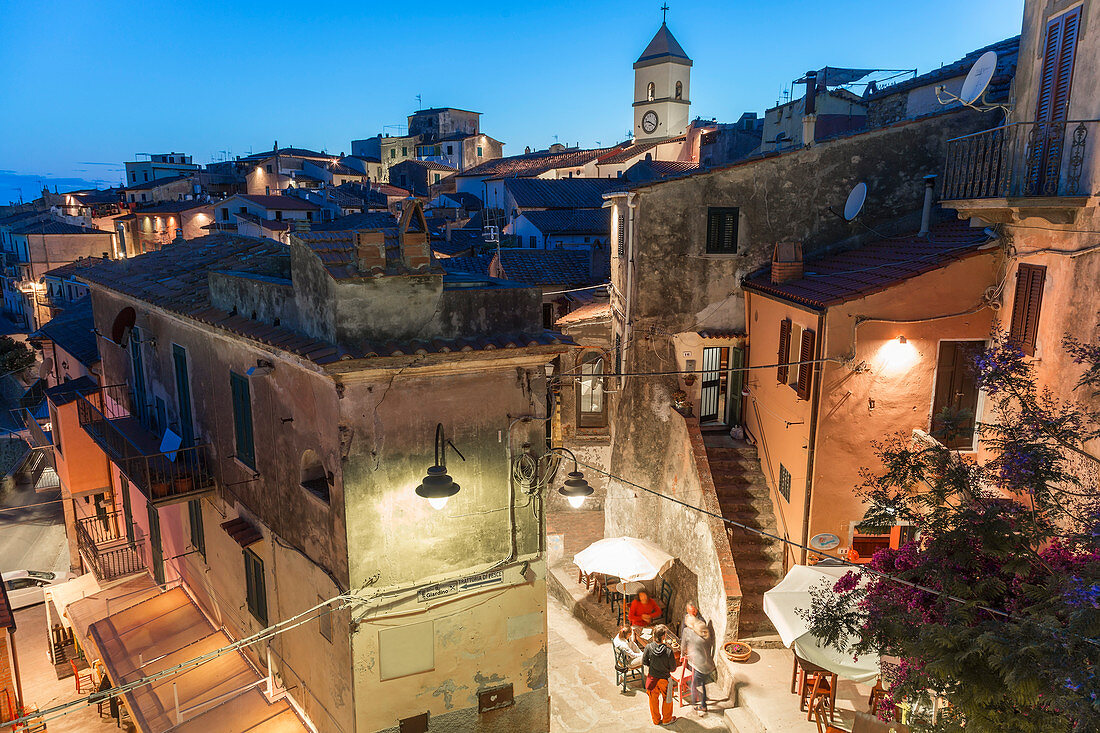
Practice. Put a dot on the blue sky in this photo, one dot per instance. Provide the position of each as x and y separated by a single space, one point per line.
86 85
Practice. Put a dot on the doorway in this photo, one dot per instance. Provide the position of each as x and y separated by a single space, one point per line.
720 398
955 400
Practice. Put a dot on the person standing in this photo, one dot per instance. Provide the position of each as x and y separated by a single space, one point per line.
696 641
660 663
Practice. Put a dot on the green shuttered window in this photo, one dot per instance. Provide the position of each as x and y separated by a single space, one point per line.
242 420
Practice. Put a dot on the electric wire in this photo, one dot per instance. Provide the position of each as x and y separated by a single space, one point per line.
576 290
841 560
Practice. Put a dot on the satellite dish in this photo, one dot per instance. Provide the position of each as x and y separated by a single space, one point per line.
854 204
976 82
45 368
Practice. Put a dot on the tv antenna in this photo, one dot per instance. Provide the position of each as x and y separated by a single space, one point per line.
974 86
419 102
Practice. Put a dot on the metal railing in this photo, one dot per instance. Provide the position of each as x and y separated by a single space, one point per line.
102 542
1025 159
163 477
38 437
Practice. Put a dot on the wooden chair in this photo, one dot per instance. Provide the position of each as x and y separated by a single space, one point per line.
823 726
82 677
623 672
874 700
679 683
823 689
584 578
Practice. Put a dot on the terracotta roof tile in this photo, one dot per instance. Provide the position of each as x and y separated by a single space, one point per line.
856 273
533 164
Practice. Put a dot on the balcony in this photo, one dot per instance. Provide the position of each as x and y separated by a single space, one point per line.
164 477
104 546
1021 170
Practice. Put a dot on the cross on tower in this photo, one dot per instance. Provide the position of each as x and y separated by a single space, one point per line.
664 13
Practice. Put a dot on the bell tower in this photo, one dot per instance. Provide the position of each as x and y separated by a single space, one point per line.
662 81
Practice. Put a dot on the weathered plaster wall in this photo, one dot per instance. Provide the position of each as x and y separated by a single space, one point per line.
388 425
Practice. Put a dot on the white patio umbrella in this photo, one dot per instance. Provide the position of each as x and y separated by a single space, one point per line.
782 604
628 558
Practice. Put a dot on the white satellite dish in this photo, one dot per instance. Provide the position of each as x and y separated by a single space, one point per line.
45 368
854 204
977 81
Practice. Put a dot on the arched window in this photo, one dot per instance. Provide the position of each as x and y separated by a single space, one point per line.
651 91
313 474
591 401
679 90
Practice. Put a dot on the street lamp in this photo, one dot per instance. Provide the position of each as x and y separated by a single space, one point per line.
535 473
437 487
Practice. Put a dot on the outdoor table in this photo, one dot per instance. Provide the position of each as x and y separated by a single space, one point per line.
628 588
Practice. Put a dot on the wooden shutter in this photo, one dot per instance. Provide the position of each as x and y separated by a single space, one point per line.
714 227
1057 75
728 239
805 371
1026 307
783 357
622 235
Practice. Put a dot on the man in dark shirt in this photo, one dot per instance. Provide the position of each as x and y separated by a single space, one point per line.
659 662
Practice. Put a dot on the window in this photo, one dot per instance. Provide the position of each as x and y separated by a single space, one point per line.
324 622
242 420
805 371
532 241
783 358
651 92
183 395
591 406
198 536
255 587
278 216
479 151
268 168
142 197
133 178
450 150
146 176
155 547
404 151
722 229
548 315
1024 328
437 178
955 401
225 214
784 482
309 216
679 90
622 235
312 475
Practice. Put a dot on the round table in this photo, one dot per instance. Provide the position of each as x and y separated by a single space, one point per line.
626 587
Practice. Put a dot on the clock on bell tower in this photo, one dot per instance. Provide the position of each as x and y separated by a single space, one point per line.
662 75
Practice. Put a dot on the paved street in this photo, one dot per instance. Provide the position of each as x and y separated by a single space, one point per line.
32 537
583 695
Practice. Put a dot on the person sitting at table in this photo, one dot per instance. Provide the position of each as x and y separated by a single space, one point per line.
642 610
624 641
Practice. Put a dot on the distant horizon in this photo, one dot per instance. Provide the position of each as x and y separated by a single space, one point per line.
539 75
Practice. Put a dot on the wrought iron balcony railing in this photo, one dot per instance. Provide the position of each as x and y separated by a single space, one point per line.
103 543
164 477
1023 159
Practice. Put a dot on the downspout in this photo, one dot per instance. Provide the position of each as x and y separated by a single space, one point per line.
628 293
815 399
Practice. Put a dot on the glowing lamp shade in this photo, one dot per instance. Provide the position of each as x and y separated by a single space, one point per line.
576 489
437 487
897 356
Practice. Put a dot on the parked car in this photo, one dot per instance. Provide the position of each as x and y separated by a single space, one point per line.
25 587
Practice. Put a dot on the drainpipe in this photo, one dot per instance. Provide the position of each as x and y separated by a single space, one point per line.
815 400
628 293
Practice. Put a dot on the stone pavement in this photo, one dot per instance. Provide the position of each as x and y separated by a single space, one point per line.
41 688
583 694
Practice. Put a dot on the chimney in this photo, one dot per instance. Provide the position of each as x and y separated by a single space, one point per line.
370 251
809 112
926 212
787 262
412 237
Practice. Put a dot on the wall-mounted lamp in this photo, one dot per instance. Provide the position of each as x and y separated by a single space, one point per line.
437 487
535 473
263 368
902 340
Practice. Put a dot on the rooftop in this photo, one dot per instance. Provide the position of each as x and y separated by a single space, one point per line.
171 207
597 311
51 226
571 221
1007 51
288 152
364 220
281 203
625 153
72 268
843 276
559 267
560 193
663 46
74 331
428 164
533 164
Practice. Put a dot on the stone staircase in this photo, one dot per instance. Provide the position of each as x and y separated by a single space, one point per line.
743 496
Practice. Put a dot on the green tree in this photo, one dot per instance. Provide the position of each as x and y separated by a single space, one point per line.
15 355
996 606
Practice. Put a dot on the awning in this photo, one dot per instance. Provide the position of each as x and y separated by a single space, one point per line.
83 600
219 694
243 532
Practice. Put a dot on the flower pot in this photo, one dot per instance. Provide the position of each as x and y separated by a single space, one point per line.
160 489
184 484
737 651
